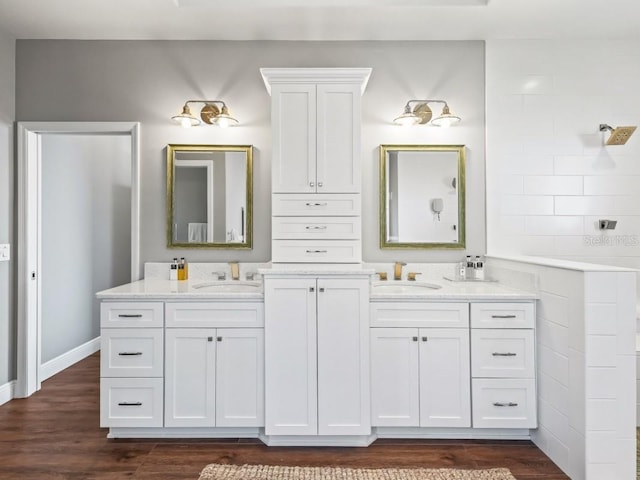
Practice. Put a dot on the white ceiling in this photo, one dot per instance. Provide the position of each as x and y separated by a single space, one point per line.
320 19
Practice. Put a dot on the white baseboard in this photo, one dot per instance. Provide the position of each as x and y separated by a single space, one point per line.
49 369
7 392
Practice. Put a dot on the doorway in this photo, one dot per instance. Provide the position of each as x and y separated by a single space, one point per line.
78 211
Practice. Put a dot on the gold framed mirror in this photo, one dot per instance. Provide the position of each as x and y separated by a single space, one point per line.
210 196
422 196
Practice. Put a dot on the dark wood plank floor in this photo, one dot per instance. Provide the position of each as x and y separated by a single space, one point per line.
55 435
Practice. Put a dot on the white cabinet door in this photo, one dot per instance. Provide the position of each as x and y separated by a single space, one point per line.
240 377
290 356
394 377
293 122
190 381
338 138
343 357
445 378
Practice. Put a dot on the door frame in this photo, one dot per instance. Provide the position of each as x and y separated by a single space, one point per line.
29 140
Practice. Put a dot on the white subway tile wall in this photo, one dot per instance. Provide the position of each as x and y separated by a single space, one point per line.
546 157
585 332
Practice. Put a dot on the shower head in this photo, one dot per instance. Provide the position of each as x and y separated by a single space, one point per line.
619 135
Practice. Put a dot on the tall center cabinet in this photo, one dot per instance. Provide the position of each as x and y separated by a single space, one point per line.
316 163
316 316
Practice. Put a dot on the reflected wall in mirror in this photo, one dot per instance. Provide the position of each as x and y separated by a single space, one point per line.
422 196
209 196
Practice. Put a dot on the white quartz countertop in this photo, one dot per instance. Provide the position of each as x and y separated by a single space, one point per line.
161 289
450 290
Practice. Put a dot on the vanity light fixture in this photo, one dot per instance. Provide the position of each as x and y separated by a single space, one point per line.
213 112
422 114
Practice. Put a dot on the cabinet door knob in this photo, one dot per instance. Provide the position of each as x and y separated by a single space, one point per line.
209 339
415 339
219 339
321 289
424 339
311 184
320 184
311 289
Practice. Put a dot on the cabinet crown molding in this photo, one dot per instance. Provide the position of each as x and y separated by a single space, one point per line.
272 76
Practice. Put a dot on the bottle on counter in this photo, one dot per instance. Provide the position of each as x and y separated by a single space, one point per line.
183 269
469 268
173 270
461 272
479 271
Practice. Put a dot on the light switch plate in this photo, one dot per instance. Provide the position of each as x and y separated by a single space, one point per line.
5 252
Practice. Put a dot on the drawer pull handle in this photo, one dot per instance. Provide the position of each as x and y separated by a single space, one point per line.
129 354
130 315
130 404
316 227
316 204
316 251
505 354
503 316
508 404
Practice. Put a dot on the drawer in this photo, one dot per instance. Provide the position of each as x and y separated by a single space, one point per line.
313 228
502 353
304 205
316 251
214 314
502 315
131 402
131 314
131 352
416 314
504 403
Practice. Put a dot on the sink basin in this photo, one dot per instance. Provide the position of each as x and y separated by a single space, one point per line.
230 286
407 288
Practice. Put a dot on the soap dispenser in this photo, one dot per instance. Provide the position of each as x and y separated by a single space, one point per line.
173 270
183 270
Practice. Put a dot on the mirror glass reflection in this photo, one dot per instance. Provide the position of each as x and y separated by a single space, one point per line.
209 196
422 196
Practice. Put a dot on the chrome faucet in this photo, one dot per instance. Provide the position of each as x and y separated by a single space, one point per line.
235 270
397 270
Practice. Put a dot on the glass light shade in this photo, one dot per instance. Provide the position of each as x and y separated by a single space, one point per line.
186 118
446 118
225 120
408 118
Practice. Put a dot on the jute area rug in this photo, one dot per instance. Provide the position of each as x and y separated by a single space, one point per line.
267 472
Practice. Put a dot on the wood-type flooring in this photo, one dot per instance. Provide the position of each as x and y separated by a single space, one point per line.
55 435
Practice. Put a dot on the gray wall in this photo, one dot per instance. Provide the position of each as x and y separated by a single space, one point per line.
7 203
149 81
86 233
